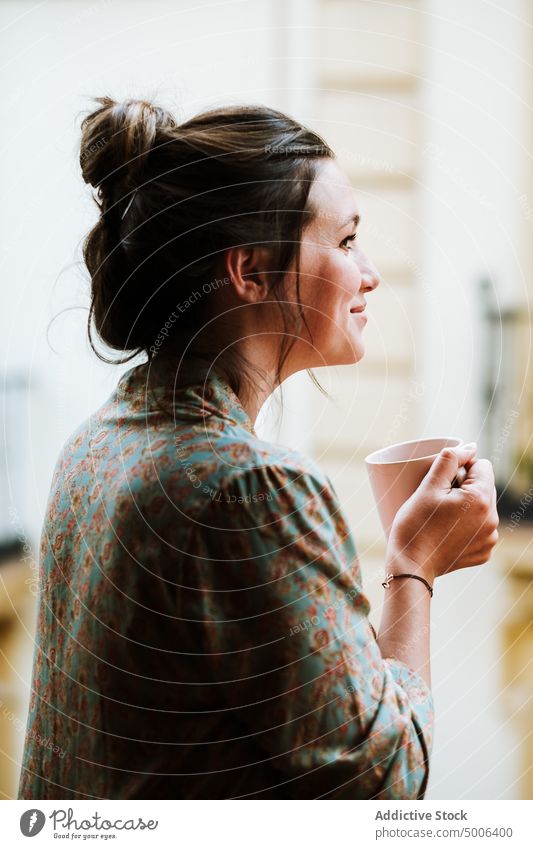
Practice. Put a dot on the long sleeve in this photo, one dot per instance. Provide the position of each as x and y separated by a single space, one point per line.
293 651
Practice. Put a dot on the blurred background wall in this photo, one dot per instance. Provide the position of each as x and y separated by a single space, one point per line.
427 104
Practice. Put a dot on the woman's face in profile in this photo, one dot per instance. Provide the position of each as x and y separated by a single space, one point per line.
335 273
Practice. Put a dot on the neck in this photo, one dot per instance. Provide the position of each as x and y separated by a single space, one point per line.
258 382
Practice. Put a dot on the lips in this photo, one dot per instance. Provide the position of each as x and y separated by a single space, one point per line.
358 309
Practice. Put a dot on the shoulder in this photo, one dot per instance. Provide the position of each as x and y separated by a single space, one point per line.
253 465
279 514
276 489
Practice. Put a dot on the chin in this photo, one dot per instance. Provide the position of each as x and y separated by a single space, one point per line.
347 357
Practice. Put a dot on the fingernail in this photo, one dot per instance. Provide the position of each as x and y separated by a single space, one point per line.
469 446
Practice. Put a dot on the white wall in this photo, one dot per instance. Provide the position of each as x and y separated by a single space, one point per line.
473 171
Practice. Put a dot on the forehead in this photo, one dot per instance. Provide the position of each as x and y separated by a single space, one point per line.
332 195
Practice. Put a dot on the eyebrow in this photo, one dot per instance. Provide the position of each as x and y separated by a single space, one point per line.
355 218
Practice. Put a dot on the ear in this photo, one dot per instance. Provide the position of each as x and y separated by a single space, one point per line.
247 268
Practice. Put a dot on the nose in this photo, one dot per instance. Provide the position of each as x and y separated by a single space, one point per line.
370 277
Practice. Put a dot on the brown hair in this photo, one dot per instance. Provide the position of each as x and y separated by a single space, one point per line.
172 198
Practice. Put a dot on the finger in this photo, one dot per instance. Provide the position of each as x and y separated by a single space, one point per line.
462 472
485 533
464 453
481 473
482 542
485 549
478 558
495 504
484 555
492 515
460 477
486 527
493 537
446 464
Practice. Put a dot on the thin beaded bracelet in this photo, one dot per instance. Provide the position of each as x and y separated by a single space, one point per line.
390 577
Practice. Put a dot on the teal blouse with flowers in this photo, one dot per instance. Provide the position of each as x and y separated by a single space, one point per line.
202 628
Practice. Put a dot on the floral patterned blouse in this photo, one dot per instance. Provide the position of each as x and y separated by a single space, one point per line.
202 626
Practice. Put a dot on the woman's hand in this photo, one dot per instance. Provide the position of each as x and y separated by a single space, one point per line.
441 528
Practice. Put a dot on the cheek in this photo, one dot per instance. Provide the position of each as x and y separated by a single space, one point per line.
333 288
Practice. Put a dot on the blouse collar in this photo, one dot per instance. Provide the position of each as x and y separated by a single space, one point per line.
206 392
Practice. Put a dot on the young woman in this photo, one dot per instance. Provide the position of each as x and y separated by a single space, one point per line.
203 631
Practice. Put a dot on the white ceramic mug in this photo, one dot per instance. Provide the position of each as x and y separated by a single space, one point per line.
396 471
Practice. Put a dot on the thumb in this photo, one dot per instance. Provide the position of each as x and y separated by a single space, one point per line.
446 465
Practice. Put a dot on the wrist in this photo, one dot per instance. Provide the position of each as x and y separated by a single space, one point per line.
399 561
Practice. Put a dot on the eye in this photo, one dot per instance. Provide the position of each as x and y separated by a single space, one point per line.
345 242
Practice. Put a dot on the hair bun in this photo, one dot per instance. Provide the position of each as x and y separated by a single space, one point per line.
115 139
